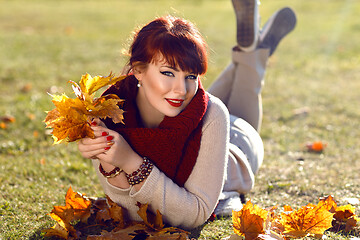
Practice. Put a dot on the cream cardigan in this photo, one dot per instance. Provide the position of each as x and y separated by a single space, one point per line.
189 206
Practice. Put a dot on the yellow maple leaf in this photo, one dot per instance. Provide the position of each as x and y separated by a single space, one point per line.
308 220
249 221
90 85
70 118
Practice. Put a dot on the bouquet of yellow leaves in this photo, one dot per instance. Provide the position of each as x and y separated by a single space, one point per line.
70 119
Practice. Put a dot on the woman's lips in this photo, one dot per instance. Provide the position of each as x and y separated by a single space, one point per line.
175 102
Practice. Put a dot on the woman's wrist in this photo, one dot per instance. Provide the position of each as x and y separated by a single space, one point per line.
140 174
110 174
132 163
107 167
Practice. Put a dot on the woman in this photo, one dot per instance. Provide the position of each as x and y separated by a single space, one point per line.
172 150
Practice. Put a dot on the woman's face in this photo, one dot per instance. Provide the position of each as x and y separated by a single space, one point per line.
165 90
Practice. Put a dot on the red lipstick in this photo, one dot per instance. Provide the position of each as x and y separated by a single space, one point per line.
175 102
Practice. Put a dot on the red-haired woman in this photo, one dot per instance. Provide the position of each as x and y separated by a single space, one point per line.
172 150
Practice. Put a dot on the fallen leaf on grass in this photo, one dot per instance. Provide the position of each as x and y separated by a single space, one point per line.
77 207
70 119
308 220
316 146
108 216
3 125
344 216
5 120
249 221
153 221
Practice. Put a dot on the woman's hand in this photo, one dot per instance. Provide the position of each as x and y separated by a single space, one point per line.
108 146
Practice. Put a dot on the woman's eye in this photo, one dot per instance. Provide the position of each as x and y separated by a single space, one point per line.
191 77
167 73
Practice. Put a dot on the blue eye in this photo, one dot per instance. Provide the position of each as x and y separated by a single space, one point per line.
191 77
167 73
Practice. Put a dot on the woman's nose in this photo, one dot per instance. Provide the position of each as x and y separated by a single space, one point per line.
180 86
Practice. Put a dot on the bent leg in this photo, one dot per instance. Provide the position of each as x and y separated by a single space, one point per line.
244 99
222 86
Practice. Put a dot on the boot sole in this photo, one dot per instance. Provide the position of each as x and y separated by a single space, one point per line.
245 23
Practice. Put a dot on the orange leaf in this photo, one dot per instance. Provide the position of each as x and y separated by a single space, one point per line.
76 207
3 125
249 221
79 203
344 216
7 119
308 220
344 212
317 146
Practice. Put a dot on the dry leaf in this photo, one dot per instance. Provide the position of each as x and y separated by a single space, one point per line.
344 216
153 221
116 213
141 231
7 119
4 120
108 215
308 220
57 231
317 146
79 203
70 120
77 207
3 125
249 221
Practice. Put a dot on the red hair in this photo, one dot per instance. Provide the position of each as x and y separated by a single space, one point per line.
172 39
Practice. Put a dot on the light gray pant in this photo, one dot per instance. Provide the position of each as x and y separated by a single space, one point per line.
239 87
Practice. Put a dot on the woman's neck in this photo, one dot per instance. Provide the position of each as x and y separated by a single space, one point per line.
151 118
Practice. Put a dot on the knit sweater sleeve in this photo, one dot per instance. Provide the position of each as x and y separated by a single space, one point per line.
189 206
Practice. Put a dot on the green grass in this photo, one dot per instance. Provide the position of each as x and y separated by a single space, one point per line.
44 44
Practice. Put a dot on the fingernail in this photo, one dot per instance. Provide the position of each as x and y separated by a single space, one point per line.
104 134
107 148
93 123
110 143
109 138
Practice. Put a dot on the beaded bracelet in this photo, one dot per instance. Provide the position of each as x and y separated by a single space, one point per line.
141 173
113 173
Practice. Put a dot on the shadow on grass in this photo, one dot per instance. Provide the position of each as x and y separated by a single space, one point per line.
37 235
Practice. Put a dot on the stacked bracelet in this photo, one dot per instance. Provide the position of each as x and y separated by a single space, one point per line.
141 173
113 173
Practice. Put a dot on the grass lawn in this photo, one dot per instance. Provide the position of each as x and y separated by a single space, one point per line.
45 43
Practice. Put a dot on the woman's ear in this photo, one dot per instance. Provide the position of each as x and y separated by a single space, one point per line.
138 73
138 69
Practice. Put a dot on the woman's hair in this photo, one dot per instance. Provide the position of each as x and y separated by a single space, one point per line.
172 39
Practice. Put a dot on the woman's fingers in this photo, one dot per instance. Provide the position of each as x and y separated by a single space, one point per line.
97 122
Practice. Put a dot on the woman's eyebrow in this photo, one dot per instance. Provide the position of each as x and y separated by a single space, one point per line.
173 68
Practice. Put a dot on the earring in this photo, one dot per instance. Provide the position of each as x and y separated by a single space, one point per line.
139 84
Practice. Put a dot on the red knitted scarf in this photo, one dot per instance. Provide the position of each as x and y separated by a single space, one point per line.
174 145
